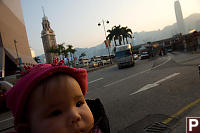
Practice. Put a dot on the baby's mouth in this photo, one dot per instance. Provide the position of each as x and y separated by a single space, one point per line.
80 131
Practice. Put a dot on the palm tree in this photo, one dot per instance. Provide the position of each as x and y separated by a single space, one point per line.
60 48
82 55
115 34
57 49
70 47
66 54
118 33
126 33
111 35
73 52
53 50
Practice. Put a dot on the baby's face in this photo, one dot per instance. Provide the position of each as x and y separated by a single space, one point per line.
59 110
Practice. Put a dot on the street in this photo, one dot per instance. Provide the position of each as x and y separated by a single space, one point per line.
136 97
116 88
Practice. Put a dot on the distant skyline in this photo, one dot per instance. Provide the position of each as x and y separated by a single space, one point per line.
75 21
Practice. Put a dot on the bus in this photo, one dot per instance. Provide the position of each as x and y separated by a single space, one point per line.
124 56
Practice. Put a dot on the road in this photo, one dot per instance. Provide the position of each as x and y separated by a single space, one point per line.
168 84
151 91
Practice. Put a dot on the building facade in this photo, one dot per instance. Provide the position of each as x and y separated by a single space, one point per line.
13 38
179 18
48 39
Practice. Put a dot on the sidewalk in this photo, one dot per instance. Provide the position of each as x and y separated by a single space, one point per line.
180 126
184 58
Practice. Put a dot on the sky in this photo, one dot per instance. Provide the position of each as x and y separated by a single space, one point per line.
75 22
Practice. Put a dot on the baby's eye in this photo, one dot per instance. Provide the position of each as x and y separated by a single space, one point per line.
55 113
79 103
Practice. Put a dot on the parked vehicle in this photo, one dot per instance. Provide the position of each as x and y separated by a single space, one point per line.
170 50
136 56
144 55
98 60
93 64
83 62
124 56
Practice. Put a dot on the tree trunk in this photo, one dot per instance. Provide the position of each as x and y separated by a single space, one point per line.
126 40
67 61
120 41
115 42
71 58
74 61
123 40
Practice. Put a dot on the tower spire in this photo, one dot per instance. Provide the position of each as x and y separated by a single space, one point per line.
43 11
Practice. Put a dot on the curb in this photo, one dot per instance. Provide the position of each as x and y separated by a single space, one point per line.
99 68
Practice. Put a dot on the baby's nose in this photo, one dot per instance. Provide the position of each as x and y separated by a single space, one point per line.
74 116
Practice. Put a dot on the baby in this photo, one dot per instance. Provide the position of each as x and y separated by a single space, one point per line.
50 99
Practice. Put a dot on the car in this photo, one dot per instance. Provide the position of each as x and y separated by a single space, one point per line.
93 64
169 49
136 56
145 55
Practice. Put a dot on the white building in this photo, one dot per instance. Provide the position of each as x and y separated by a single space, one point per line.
179 18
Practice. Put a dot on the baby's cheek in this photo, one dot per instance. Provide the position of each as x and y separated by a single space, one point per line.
89 115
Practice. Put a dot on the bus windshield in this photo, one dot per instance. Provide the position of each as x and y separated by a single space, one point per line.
123 53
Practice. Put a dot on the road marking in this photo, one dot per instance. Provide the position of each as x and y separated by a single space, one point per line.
6 119
131 76
181 111
166 78
95 80
169 58
149 86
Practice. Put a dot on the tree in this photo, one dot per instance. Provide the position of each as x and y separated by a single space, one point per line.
82 55
111 35
70 49
66 55
117 33
57 49
126 33
73 52
60 49
53 50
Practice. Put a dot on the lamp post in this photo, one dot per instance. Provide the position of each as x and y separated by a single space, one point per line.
15 42
99 24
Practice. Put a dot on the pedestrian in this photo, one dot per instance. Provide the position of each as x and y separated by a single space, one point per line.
49 98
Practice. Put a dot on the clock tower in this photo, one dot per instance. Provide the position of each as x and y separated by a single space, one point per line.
48 39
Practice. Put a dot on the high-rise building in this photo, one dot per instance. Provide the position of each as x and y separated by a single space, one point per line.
14 46
179 17
48 39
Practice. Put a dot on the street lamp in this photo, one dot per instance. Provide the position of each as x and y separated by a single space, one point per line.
15 42
99 24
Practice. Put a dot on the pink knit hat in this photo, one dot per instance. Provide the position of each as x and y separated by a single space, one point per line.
18 96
